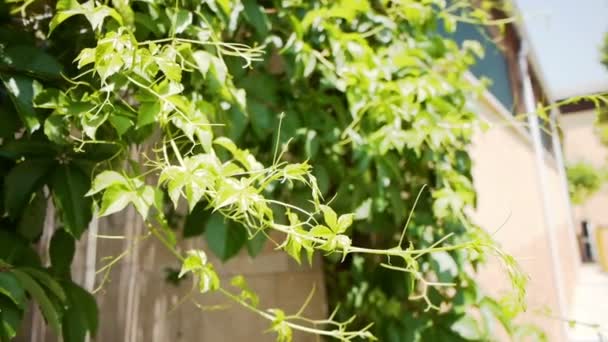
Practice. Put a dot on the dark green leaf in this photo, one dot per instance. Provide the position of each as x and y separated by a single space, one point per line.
37 63
45 279
196 220
224 239
32 221
81 314
147 113
120 123
25 148
24 179
10 319
70 185
16 250
22 90
10 121
256 17
256 244
37 292
61 252
10 287
261 119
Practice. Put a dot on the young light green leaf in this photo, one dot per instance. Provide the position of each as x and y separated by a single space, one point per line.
344 221
115 199
330 217
105 180
144 199
280 326
322 232
196 259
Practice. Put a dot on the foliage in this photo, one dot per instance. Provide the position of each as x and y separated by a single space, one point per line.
369 93
584 180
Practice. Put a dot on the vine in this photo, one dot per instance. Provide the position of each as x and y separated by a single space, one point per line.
366 90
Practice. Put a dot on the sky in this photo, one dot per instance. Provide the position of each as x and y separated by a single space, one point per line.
565 38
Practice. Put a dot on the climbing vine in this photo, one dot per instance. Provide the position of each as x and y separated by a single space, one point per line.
341 126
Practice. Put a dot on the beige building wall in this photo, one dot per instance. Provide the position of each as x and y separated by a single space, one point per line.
583 145
510 205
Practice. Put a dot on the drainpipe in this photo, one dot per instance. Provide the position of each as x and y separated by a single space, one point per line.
558 154
539 154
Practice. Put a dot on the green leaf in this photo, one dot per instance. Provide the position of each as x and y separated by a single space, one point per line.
56 129
293 247
37 63
444 265
246 293
171 69
195 221
147 113
22 90
256 17
144 199
37 292
256 244
468 328
16 250
32 221
70 186
10 319
47 281
24 149
322 232
115 199
330 217
94 13
203 61
81 314
61 252
10 287
344 221
283 330
120 123
182 19
21 182
90 122
224 240
195 260
261 119
105 180
10 121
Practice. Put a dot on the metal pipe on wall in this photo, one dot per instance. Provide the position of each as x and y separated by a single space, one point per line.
539 154
558 154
